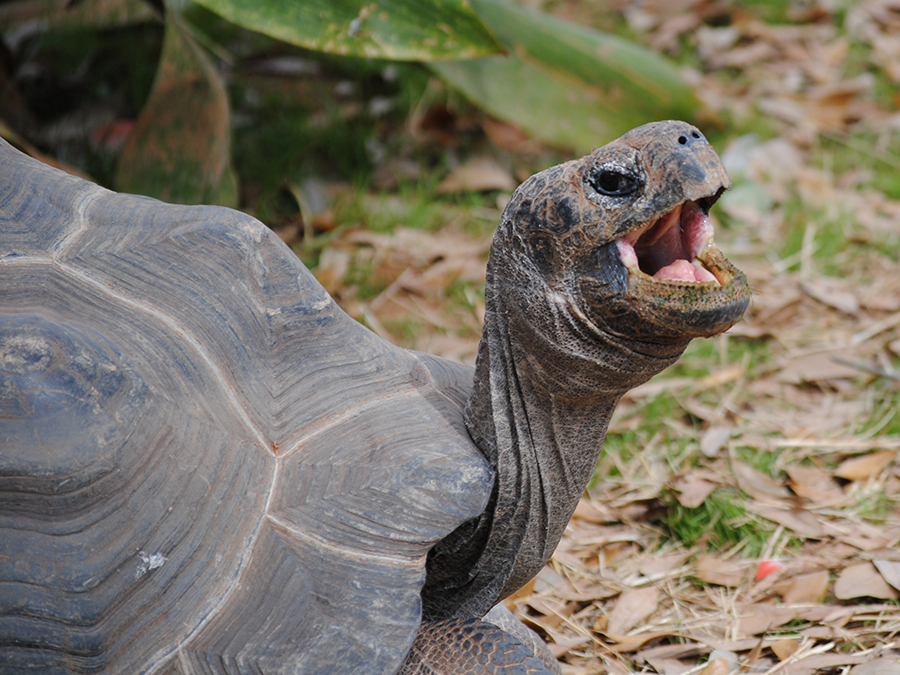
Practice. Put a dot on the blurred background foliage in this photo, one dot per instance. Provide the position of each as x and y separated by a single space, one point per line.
238 102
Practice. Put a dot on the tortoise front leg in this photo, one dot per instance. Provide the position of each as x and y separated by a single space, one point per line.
479 647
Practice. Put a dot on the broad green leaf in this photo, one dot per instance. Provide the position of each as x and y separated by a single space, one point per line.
550 105
406 30
179 148
565 83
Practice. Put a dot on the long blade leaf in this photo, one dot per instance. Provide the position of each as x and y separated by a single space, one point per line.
419 30
566 83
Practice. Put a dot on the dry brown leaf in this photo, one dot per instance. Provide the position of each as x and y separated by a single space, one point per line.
815 484
562 645
867 537
669 666
861 468
757 484
816 368
594 512
799 521
805 588
630 643
719 572
713 440
760 618
662 564
477 175
671 651
833 293
723 375
818 663
632 607
886 665
863 580
785 648
889 570
692 492
716 667
333 265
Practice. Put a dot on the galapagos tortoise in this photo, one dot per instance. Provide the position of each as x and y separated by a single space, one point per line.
207 467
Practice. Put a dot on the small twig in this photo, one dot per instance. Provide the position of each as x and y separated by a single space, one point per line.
799 655
838 444
866 368
876 328
807 249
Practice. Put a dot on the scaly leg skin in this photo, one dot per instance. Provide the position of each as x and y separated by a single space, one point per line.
478 647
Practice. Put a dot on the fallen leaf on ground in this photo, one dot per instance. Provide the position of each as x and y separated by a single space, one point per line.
830 292
863 580
799 521
713 440
630 643
692 492
669 666
719 572
814 484
757 484
820 663
632 607
477 175
784 649
806 588
715 667
861 468
759 618
816 368
662 564
890 571
886 665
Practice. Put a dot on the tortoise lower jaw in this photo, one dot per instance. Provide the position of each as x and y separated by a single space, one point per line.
676 247
688 309
679 284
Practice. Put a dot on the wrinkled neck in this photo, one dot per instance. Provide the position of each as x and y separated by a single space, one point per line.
539 412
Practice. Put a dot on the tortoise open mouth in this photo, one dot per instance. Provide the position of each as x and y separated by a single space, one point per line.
678 246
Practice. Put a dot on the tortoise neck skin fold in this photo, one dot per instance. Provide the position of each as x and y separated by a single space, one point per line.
601 272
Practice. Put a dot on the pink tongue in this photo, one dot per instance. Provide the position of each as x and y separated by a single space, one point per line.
682 270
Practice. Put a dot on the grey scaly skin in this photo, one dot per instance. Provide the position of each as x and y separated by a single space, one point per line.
570 326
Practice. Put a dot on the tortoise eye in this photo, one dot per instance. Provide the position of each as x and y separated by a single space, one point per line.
614 183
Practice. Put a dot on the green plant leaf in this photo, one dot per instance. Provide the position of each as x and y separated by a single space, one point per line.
179 149
405 30
566 83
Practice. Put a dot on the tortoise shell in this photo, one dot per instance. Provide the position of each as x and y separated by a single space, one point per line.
205 464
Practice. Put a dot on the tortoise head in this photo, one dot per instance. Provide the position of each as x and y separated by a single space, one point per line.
622 239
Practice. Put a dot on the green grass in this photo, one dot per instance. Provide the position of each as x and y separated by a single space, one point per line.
719 523
875 506
884 417
621 447
766 462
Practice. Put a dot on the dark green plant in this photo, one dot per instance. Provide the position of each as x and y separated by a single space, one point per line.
565 84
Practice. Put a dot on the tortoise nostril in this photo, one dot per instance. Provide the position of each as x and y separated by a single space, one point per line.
684 139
